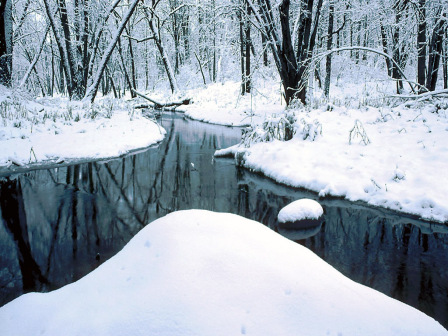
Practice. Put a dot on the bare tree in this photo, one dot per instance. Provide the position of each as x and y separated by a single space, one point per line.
291 62
93 89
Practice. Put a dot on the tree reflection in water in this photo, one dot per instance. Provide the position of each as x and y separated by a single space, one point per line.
59 224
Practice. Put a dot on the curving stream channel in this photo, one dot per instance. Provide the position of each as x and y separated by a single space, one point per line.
59 224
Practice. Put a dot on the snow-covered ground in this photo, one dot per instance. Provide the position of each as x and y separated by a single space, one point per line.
393 157
402 165
222 103
203 273
56 130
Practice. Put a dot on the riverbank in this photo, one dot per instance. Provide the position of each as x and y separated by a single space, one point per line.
359 146
386 154
55 130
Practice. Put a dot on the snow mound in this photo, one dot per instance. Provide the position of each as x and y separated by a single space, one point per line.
301 209
202 273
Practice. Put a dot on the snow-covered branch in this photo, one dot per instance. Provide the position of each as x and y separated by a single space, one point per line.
328 52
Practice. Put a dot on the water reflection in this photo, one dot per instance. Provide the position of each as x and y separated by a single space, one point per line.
59 224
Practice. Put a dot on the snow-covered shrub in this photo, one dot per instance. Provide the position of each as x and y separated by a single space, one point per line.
308 131
358 131
280 127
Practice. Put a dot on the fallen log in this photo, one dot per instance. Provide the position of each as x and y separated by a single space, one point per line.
151 106
443 92
164 106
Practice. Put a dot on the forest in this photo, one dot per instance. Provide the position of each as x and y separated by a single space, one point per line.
77 48
148 148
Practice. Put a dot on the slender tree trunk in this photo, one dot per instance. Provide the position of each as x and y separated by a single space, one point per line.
384 44
421 45
133 71
176 35
265 49
61 77
242 53
186 35
52 71
75 75
85 46
445 62
435 50
5 42
329 46
124 70
248 43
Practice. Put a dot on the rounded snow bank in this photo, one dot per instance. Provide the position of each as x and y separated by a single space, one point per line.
203 273
300 210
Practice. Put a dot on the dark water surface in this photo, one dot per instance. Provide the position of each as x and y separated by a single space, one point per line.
59 224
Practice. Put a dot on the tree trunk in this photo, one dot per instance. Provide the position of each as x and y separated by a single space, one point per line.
5 42
435 50
242 53
445 62
265 49
384 44
75 75
85 47
124 70
421 45
248 43
329 46
290 68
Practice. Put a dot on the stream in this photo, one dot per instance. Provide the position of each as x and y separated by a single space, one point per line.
59 224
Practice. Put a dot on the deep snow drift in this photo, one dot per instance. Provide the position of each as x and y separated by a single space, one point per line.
56 130
202 273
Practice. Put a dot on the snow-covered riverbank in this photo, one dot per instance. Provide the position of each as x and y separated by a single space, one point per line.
393 157
387 157
56 130
178 276
403 167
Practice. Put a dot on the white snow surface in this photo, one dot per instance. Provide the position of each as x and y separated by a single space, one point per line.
57 130
222 103
402 168
202 273
301 209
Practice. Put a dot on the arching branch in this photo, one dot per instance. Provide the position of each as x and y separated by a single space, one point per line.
328 52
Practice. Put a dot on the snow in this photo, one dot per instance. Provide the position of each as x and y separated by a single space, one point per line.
55 130
301 209
402 168
222 103
196 272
